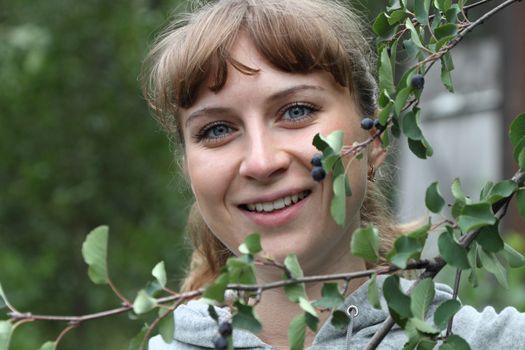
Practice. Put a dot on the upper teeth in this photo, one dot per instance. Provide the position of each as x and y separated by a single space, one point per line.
277 204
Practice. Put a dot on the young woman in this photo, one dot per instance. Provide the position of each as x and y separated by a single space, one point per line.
244 85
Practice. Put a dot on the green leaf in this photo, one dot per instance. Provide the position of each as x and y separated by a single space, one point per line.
386 75
516 134
167 326
311 321
143 303
335 141
514 258
433 198
410 125
445 30
385 113
240 271
446 68
383 28
48 345
296 290
159 272
331 297
251 245
297 332
420 148
405 248
6 331
422 7
215 291
457 191
365 243
474 216
445 311
338 204
414 35
307 306
421 298
395 17
401 99
492 264
421 233
452 252
137 340
442 5
397 301
373 292
245 318
454 342
489 238
520 201
213 313
521 159
423 327
319 143
3 298
340 320
94 251
500 190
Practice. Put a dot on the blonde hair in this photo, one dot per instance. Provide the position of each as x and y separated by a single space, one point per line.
294 36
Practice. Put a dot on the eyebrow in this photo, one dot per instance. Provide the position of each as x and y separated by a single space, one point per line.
272 98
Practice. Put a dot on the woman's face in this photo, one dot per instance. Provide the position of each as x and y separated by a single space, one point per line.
248 150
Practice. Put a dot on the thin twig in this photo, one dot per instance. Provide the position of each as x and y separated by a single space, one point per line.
455 292
61 335
156 322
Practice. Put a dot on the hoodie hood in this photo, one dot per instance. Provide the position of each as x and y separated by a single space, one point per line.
195 328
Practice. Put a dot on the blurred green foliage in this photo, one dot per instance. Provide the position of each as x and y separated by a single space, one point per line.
78 149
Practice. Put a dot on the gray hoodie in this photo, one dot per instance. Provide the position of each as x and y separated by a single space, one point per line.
195 329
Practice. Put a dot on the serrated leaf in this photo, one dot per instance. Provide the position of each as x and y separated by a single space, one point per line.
137 340
331 297
245 318
167 326
445 311
143 303
94 251
373 293
365 243
514 258
489 238
500 190
307 306
520 201
474 216
452 252
421 298
159 272
251 245
6 331
338 204
215 291
48 345
492 264
433 198
397 301
454 342
297 332
422 7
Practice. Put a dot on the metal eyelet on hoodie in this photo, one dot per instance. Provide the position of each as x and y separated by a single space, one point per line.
352 311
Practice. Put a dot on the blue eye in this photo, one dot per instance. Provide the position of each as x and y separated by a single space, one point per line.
298 112
214 132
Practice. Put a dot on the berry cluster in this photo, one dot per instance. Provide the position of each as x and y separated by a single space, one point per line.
225 330
369 123
318 173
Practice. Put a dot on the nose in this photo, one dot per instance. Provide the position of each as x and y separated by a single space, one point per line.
265 156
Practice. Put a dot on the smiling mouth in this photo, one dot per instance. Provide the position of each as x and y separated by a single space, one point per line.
279 204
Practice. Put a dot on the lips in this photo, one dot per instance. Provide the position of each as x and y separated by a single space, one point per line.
278 204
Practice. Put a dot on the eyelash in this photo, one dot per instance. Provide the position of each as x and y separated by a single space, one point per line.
312 110
202 134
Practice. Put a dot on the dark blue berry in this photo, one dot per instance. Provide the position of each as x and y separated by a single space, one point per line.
225 329
418 82
220 343
316 159
378 125
318 173
367 123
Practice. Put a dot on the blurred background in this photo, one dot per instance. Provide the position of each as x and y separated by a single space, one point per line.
78 149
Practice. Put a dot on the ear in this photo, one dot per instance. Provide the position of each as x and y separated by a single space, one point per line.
376 154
